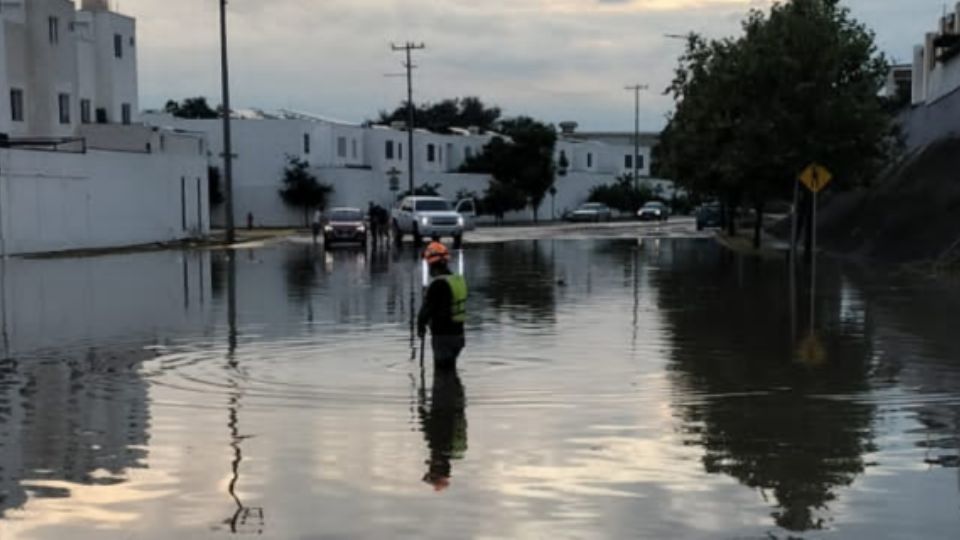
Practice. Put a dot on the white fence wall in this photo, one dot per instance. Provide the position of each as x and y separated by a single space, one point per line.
54 201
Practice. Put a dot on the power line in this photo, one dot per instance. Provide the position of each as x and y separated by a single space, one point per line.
408 48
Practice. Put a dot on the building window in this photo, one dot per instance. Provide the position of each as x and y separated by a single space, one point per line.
468 152
54 29
389 150
64 101
400 151
342 147
102 117
16 105
306 143
431 153
589 160
640 162
628 161
353 148
126 113
118 45
85 111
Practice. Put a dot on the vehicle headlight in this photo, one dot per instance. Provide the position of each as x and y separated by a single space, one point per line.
425 220
361 228
328 228
460 221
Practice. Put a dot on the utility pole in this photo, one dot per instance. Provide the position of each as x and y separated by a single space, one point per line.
636 133
227 142
407 48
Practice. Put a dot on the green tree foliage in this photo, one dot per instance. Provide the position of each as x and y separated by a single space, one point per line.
521 162
195 108
623 195
449 113
801 85
500 198
301 189
423 190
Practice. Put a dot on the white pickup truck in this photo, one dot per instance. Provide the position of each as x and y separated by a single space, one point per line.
428 217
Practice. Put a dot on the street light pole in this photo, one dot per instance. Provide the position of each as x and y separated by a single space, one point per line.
227 142
636 133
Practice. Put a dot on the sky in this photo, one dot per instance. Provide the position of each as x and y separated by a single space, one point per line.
554 60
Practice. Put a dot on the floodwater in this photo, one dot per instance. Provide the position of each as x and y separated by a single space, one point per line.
611 388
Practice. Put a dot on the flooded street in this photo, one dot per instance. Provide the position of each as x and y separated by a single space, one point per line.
612 387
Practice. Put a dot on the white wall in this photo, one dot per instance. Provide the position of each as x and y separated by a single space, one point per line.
51 201
261 148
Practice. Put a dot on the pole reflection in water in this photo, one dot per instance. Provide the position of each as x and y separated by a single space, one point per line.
444 425
245 519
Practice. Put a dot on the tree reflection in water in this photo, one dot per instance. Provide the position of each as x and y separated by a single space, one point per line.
793 432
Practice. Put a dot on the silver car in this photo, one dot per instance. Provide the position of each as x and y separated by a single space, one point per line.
654 211
592 212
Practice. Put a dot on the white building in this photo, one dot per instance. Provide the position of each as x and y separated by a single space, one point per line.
62 68
360 162
74 172
936 63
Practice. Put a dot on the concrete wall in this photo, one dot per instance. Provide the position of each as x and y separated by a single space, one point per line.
52 201
924 124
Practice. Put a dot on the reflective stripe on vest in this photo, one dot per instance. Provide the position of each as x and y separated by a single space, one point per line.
458 292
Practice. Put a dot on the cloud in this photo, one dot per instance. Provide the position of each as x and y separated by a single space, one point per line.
556 59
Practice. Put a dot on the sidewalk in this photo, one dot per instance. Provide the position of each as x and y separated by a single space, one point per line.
742 243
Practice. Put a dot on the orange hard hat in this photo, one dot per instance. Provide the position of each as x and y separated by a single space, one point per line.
436 252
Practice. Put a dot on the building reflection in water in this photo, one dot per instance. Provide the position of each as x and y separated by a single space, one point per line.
74 406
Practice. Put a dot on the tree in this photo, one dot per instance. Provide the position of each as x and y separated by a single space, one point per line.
423 190
522 160
500 198
801 85
622 195
301 189
192 108
449 113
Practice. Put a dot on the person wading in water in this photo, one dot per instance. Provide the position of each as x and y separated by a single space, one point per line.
444 309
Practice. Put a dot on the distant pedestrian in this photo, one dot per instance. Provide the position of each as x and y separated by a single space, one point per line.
316 223
249 221
383 222
374 221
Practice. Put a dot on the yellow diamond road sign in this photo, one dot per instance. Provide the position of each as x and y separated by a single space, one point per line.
815 177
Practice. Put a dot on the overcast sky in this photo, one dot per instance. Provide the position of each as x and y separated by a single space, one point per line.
552 59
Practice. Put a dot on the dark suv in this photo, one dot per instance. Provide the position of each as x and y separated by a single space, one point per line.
345 225
708 216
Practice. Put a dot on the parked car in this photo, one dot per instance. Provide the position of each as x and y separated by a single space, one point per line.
654 211
594 212
708 215
344 225
426 217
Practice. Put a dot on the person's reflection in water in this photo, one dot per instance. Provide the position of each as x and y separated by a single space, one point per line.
444 425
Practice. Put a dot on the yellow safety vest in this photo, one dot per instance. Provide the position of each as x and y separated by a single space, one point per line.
458 290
